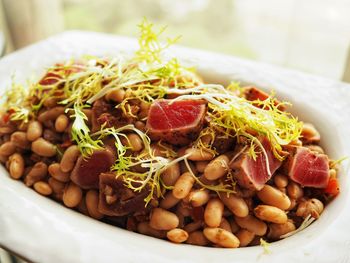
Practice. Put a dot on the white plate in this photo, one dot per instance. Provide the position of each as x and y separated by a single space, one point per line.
44 231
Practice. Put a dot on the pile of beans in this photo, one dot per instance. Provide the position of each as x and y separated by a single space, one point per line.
42 155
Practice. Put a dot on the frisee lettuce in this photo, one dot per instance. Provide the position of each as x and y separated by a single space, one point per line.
240 117
265 245
147 76
81 132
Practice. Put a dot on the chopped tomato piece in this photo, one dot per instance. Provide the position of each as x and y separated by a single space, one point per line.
332 187
6 117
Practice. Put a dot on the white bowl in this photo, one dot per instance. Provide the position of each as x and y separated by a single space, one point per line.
44 231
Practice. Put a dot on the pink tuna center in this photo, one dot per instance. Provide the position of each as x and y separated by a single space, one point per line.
164 115
258 168
311 170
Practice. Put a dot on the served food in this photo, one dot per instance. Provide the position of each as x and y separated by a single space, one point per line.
145 144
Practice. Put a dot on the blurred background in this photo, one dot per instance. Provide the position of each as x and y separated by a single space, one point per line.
308 35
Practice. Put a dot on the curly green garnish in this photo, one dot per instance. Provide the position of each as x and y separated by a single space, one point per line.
334 163
16 103
307 221
265 245
81 133
145 77
240 117
150 44
166 150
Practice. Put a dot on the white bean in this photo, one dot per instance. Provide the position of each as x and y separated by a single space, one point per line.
270 214
272 196
236 204
162 219
43 148
177 235
35 130
221 237
16 166
213 212
69 158
183 185
217 168
252 224
199 155
43 188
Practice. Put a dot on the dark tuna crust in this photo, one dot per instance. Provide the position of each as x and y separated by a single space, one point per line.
127 201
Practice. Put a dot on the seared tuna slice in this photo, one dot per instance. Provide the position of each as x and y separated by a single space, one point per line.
118 200
253 174
309 168
86 171
177 122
